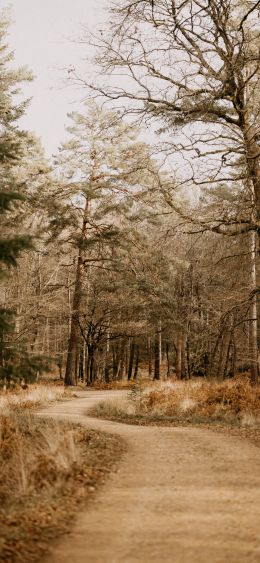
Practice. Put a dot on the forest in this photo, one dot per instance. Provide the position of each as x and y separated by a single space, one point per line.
120 254
129 260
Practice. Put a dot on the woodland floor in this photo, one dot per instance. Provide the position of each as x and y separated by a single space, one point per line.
181 495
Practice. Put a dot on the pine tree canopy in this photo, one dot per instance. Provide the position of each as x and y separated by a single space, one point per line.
13 145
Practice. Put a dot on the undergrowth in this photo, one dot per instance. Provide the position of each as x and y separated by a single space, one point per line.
33 396
47 470
233 401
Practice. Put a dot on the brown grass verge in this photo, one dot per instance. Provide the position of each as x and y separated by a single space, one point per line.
48 472
32 397
234 400
232 406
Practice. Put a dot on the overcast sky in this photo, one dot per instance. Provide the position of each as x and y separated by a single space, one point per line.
40 35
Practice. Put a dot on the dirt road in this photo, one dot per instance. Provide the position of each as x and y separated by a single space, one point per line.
181 495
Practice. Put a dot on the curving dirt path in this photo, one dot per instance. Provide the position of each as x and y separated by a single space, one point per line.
181 495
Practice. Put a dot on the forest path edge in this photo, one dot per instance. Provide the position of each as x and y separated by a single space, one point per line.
181 494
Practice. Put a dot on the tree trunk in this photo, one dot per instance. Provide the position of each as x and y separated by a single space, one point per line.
157 356
115 360
127 349
188 358
253 159
184 356
107 368
168 360
136 362
253 347
179 355
91 366
131 360
120 370
74 329
107 358
86 364
160 344
224 354
150 366
84 361
71 364
81 362
234 355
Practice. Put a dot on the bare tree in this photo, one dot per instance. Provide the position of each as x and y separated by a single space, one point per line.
194 66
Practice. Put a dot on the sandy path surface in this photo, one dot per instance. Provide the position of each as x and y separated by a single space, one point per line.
181 495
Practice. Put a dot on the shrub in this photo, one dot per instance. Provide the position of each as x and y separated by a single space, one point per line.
230 400
205 399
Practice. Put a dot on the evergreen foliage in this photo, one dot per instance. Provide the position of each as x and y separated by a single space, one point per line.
10 248
21 367
14 364
12 147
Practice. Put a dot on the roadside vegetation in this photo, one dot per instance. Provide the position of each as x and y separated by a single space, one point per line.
48 470
31 397
233 402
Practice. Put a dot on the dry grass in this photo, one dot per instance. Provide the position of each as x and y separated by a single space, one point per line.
114 409
47 471
194 401
226 400
33 397
33 454
124 384
229 399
